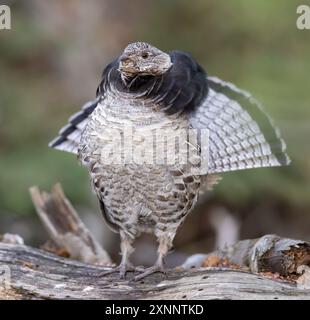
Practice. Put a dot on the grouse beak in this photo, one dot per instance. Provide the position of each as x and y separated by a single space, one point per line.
124 58
126 64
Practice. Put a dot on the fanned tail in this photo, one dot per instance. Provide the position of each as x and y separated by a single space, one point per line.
241 135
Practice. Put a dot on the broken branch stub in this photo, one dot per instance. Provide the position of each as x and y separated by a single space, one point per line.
65 227
270 253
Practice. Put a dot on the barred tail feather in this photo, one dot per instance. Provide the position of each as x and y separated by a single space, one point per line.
69 136
242 136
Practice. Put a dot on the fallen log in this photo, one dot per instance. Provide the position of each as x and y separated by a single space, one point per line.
36 274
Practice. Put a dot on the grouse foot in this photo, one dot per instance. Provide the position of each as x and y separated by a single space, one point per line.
149 271
122 269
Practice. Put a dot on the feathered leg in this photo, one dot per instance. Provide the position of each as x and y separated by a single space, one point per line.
165 244
126 250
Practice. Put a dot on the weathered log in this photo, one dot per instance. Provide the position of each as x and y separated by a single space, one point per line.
36 274
269 253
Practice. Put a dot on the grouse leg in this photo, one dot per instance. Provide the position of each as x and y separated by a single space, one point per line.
165 243
125 265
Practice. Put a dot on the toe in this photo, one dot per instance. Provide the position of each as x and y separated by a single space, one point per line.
122 272
148 272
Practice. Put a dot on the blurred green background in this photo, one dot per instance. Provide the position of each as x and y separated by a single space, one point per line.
51 62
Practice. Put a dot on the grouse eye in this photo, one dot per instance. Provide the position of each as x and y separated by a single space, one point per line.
144 55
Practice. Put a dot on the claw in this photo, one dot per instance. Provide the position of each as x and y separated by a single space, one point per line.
122 269
149 271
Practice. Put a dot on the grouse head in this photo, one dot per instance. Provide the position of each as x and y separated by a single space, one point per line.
142 59
173 80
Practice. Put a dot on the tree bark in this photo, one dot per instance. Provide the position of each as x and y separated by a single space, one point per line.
36 274
270 253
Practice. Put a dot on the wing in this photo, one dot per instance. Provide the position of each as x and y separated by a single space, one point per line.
69 136
241 135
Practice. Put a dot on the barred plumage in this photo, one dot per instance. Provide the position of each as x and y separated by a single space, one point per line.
147 90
